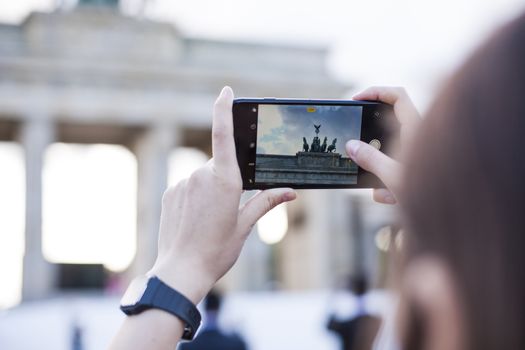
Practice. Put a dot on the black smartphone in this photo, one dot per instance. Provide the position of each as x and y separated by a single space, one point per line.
300 143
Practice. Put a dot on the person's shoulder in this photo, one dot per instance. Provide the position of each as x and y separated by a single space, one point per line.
202 340
335 324
214 339
236 342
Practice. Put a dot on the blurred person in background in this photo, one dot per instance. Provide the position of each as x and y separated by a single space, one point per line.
357 332
211 337
77 340
461 281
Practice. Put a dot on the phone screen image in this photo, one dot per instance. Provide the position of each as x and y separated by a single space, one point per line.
305 144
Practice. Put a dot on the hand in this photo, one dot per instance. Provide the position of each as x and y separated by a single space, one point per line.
375 161
202 228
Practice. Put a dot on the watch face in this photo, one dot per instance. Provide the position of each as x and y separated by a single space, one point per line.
135 291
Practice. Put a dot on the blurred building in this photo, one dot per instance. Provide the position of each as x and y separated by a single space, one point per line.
91 75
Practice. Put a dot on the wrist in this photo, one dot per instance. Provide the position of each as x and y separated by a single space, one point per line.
185 279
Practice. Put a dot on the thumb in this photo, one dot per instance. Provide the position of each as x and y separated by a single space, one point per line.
374 161
262 203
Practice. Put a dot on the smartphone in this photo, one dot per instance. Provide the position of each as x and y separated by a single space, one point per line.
300 143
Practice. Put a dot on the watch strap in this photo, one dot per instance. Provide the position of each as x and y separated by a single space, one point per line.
159 295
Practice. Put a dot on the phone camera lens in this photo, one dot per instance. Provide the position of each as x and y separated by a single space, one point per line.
253 126
375 143
254 109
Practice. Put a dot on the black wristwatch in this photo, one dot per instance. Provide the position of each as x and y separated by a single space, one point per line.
151 293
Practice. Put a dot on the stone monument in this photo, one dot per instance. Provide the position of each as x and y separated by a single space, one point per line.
93 75
316 163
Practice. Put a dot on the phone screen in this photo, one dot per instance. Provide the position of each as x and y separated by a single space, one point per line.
305 144
300 143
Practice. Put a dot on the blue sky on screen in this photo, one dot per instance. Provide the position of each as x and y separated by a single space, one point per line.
281 128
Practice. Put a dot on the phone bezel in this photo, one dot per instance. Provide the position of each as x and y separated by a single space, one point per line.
383 127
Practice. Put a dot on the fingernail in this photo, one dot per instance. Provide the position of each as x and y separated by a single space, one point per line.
225 90
352 147
389 199
289 196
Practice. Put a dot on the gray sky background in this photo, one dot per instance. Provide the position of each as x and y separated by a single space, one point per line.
281 128
373 42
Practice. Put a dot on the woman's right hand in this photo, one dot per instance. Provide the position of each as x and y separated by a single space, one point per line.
371 159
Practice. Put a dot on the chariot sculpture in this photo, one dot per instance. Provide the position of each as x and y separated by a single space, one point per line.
316 146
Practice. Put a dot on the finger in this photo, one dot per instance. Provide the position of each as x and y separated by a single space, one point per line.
375 161
384 94
404 108
222 131
262 203
383 195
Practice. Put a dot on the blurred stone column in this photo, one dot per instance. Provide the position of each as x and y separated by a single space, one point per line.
319 255
39 276
152 149
359 246
252 270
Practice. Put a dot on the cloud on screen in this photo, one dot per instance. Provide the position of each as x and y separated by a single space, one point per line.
281 128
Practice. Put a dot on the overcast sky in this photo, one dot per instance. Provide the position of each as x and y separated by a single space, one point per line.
281 128
412 43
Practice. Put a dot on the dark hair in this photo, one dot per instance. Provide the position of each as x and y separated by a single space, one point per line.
213 301
463 197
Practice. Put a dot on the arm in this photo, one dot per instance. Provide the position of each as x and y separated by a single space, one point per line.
202 231
375 161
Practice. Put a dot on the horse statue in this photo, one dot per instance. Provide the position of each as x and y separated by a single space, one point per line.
324 145
316 145
305 145
331 148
